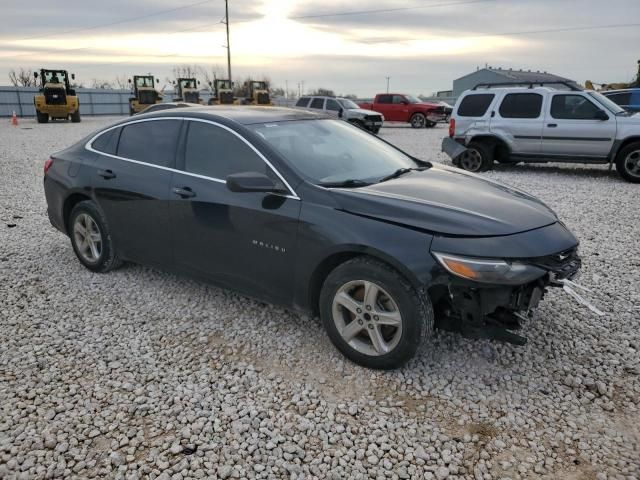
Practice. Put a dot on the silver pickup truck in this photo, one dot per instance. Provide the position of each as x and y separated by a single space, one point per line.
512 124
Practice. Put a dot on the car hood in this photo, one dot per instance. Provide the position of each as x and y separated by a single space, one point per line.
361 111
448 201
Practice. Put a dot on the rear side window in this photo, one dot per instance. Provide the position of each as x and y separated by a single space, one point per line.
622 99
215 152
302 102
475 105
573 107
107 142
317 103
521 105
151 142
385 98
332 105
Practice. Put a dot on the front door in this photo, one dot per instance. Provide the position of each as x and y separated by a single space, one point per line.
245 241
132 188
571 127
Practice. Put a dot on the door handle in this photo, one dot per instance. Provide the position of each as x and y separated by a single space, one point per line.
552 125
184 192
106 174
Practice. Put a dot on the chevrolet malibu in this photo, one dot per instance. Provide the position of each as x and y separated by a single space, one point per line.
307 212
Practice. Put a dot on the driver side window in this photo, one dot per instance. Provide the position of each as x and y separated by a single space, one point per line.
216 153
573 107
398 99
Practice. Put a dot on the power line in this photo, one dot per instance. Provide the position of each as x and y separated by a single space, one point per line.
126 20
388 10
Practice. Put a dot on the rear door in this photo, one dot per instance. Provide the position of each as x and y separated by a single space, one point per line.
519 119
245 241
571 127
132 173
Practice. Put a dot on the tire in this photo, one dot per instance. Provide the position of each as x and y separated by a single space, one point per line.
628 162
418 120
75 116
42 117
102 256
395 300
430 124
375 130
477 158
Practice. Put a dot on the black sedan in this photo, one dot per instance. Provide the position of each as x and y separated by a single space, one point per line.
311 213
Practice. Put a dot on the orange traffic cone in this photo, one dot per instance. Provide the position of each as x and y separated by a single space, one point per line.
14 119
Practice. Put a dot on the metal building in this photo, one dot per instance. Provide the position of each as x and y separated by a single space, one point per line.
494 75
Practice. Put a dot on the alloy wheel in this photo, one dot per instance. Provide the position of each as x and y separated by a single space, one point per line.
367 317
88 238
471 160
417 121
632 163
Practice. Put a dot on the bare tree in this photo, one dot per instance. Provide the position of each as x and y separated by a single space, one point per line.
323 92
102 84
211 74
350 96
22 78
121 82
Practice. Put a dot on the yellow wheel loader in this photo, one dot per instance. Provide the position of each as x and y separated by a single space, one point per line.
256 93
186 90
144 93
56 99
223 93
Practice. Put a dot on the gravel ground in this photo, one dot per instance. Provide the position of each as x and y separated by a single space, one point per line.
143 374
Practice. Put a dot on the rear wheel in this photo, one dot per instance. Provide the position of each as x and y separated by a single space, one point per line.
42 117
373 315
91 238
628 162
75 116
477 158
418 120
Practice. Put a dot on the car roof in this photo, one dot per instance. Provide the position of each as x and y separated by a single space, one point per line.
621 90
517 90
242 114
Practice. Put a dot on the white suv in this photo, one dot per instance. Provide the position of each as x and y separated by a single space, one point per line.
541 124
345 109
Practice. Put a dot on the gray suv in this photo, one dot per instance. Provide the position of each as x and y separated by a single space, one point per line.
345 109
541 124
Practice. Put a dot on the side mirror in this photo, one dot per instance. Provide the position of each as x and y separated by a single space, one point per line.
404 102
252 182
601 115
35 74
157 80
129 80
340 112
73 76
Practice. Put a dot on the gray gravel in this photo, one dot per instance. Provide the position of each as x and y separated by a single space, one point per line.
143 374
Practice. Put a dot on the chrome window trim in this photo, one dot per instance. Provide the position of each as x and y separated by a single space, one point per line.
88 146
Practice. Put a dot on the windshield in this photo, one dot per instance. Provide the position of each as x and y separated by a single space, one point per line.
57 76
608 104
412 99
348 104
333 151
144 81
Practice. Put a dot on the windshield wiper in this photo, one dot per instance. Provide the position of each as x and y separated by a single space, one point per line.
350 183
401 171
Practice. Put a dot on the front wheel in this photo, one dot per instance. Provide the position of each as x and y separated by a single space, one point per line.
373 315
91 238
418 120
628 162
75 116
430 124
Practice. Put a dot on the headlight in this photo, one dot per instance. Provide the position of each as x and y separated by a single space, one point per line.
489 270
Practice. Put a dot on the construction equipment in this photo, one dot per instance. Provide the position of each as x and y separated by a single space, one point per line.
186 90
144 93
603 87
223 93
256 93
56 98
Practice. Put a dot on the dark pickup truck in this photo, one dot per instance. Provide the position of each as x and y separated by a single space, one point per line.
398 107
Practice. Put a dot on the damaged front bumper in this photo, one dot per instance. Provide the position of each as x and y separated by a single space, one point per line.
495 311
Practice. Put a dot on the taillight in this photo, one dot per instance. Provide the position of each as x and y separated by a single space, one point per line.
47 165
452 127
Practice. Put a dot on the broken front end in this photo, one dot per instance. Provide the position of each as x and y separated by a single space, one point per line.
488 298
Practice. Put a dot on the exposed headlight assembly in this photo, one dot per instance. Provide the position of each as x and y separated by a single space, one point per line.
489 270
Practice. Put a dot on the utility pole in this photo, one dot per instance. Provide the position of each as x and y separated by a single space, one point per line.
226 22
387 83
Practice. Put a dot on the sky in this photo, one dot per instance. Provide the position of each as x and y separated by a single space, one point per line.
348 47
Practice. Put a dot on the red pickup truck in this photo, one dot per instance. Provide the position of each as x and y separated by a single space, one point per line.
398 107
